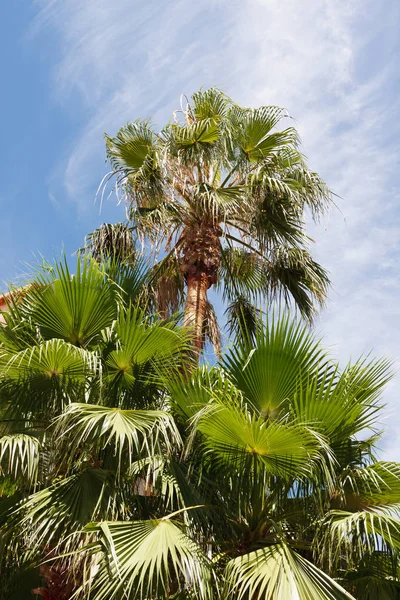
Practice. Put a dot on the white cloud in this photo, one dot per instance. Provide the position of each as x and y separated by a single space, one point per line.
330 63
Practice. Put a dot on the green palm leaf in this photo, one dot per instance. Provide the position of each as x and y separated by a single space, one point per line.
210 104
131 146
205 131
342 404
44 378
143 340
19 456
379 484
269 373
258 141
65 507
52 359
128 432
148 559
352 535
243 441
76 308
277 572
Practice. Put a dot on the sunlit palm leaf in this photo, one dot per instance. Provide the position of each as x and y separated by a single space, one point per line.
128 432
133 143
205 131
342 404
353 534
210 104
76 308
19 456
378 485
245 442
44 378
53 358
268 374
148 559
277 572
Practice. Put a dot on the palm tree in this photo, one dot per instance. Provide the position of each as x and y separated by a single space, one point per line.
223 193
72 341
125 477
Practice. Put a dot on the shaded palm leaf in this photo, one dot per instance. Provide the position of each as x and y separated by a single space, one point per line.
65 506
111 241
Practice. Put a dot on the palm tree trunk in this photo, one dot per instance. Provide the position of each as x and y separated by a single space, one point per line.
195 307
200 255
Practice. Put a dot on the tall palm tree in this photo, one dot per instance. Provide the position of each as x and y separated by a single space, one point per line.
223 191
126 478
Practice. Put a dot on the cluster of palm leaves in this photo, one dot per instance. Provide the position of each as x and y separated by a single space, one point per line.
129 471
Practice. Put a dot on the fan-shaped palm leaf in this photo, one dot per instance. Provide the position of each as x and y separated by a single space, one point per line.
277 572
244 442
19 456
354 534
44 378
128 432
76 307
269 373
66 506
148 559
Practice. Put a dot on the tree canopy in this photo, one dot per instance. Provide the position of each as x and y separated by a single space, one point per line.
128 471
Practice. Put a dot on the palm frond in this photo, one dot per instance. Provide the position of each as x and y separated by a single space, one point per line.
129 433
19 456
42 379
64 507
279 572
76 308
148 559
111 241
143 343
243 319
210 104
268 373
343 404
131 146
343 533
245 442
211 331
292 273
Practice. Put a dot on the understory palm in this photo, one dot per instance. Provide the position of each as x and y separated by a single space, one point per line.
221 192
127 474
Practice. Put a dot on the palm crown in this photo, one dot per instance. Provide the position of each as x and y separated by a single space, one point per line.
128 478
223 192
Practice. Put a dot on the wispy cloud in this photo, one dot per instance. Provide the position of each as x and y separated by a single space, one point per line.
331 63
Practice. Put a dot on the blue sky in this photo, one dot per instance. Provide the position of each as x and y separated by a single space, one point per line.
72 69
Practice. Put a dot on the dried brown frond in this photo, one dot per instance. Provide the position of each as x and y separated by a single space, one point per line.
211 330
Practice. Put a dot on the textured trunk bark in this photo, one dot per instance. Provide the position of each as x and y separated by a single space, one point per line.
199 263
195 307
